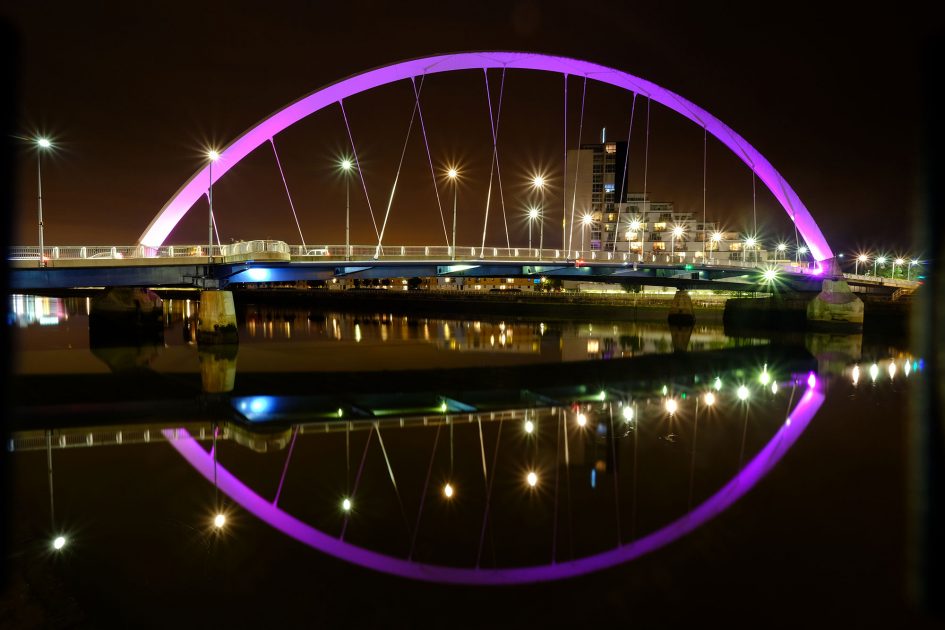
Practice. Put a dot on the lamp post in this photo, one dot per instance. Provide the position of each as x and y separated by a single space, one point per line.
346 170
912 263
532 215
879 259
539 183
862 258
586 221
801 251
212 156
897 262
677 233
717 239
782 247
452 173
41 145
750 243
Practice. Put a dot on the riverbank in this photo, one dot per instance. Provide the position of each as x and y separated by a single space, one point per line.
621 307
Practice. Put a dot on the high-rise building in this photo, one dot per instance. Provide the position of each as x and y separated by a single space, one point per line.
608 217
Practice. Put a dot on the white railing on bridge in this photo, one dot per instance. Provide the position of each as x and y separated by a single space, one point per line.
121 252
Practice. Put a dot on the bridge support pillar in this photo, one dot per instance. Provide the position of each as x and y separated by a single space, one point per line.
216 318
680 311
836 307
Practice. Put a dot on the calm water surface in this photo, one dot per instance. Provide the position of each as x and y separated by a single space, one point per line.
515 452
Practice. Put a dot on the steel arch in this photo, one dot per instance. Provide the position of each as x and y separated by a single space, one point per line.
172 212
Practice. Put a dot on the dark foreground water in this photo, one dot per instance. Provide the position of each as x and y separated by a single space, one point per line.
381 469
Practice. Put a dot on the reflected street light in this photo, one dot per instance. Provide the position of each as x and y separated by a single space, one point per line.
346 165
452 173
42 145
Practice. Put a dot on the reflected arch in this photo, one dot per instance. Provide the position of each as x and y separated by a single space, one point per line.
268 512
198 184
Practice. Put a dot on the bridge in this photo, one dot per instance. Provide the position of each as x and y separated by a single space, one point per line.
621 236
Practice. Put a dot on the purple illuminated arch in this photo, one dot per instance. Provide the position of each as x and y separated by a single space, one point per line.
197 185
268 512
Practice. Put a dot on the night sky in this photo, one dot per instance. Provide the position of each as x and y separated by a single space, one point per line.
132 93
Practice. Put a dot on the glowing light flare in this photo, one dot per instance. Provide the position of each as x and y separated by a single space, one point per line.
764 378
782 247
45 143
581 420
770 275
874 372
678 231
60 541
346 504
892 370
213 155
448 491
529 426
635 226
863 258
671 406
346 164
812 380
533 213
717 237
718 384
219 521
628 413
709 398
587 219
532 479
856 374
906 368
742 392
774 387
538 181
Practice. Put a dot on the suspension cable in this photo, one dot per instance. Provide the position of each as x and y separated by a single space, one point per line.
426 143
754 211
705 157
494 164
577 167
646 157
564 197
357 163
403 152
625 182
287 193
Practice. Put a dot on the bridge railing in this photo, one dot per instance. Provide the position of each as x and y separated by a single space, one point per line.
119 252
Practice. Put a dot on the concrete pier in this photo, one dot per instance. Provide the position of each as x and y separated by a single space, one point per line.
218 368
680 311
836 307
216 318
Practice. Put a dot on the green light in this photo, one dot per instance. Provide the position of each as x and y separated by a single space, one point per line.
443 406
683 395
665 390
602 395
340 412
688 267
718 384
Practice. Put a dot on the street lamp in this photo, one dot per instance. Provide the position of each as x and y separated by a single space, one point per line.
42 144
717 239
346 165
862 258
678 231
452 173
539 183
212 156
532 215
909 269
897 262
750 243
879 259
586 221
782 247
800 251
